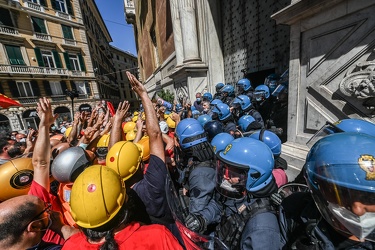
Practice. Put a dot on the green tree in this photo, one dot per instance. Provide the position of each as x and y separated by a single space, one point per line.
166 95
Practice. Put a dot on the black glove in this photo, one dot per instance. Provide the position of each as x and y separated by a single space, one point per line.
277 198
195 223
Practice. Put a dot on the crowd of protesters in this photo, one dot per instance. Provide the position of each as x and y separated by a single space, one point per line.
201 175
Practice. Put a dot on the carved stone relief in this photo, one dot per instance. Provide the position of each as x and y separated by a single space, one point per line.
182 93
359 86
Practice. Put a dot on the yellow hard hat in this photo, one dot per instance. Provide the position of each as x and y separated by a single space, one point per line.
124 157
103 141
171 123
15 178
166 116
144 143
135 113
97 196
143 116
67 131
135 118
129 126
130 136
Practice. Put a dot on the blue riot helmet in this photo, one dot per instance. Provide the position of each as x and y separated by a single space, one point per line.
221 141
248 123
219 86
202 119
228 90
271 81
215 102
281 88
195 114
340 172
207 96
241 102
243 85
261 93
222 110
193 140
213 128
270 139
345 125
244 165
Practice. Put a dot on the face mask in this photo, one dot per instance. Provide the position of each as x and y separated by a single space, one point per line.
198 99
359 226
227 186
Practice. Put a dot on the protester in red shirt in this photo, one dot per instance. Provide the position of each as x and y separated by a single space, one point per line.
40 186
103 211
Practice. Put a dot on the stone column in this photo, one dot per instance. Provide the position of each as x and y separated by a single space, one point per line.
177 32
189 31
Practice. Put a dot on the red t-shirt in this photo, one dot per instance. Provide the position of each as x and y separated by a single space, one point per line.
134 236
39 191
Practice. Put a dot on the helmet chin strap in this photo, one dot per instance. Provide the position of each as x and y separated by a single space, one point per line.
266 191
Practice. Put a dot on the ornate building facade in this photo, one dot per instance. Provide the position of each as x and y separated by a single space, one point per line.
54 48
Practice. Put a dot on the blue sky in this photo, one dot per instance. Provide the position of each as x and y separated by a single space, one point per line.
114 17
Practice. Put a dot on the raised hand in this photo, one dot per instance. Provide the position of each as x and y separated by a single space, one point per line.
122 110
44 110
137 86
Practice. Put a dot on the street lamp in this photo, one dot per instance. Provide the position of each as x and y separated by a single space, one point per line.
72 94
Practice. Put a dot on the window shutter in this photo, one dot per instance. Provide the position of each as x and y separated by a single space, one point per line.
43 2
88 90
35 87
63 86
81 62
13 89
5 18
39 25
14 55
57 59
54 5
47 87
67 31
67 61
69 7
39 57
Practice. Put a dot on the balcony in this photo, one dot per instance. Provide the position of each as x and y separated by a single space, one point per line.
42 36
59 98
77 73
8 30
21 69
63 15
69 42
34 6
28 100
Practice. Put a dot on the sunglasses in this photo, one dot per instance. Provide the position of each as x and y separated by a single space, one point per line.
46 209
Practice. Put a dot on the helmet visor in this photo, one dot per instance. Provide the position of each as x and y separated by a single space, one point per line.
327 129
259 95
231 180
339 205
279 89
240 89
236 105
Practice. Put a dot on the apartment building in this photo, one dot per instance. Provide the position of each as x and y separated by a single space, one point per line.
44 53
124 61
98 39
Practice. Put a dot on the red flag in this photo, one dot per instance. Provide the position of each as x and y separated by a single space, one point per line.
111 108
6 102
